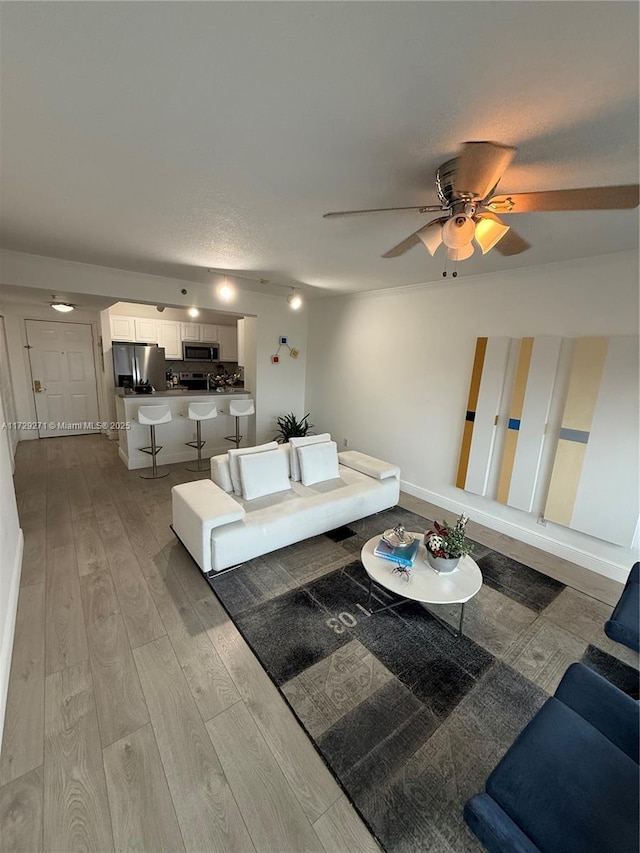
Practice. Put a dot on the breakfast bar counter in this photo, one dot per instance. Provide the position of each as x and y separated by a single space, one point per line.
173 435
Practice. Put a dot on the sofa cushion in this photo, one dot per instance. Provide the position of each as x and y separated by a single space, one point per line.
234 466
318 462
368 464
264 473
567 786
302 441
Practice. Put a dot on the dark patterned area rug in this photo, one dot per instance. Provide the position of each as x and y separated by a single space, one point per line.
410 719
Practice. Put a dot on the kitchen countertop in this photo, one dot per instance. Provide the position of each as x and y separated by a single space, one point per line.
182 392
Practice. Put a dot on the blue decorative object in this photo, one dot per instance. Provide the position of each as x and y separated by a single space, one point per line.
570 780
624 625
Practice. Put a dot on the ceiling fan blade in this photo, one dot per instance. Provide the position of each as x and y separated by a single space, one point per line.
588 198
403 247
480 166
422 208
512 244
415 238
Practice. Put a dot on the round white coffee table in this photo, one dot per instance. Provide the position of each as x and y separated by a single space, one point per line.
423 584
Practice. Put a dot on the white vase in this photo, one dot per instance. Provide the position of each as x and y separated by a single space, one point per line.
442 564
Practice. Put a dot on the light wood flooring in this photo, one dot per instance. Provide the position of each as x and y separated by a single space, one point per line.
137 717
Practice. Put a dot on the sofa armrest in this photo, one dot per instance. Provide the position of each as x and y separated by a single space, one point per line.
602 705
634 574
198 507
369 465
221 473
494 828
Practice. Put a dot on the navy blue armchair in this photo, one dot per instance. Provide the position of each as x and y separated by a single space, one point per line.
624 625
569 783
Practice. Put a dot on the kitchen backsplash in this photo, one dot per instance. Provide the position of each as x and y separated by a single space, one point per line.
203 367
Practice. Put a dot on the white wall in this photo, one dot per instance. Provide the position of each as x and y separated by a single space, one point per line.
11 547
278 388
390 372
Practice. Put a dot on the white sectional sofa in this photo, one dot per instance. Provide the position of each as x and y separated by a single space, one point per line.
222 528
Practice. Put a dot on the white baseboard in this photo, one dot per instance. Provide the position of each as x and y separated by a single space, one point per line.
538 540
6 650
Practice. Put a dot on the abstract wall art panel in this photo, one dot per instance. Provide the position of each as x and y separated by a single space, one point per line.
594 482
485 395
531 394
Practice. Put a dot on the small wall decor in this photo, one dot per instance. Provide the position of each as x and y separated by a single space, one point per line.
283 341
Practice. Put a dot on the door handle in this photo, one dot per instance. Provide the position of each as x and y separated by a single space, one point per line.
37 386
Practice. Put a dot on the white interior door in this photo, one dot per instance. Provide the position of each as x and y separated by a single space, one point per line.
63 377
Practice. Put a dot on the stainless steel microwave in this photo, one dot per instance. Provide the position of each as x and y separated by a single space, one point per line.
200 351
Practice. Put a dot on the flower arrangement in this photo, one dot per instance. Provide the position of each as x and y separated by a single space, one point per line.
448 541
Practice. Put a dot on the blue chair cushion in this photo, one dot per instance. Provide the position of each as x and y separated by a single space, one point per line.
567 787
624 625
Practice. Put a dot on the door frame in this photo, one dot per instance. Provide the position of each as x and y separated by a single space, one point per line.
30 375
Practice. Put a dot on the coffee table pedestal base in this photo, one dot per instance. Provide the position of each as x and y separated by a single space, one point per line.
457 632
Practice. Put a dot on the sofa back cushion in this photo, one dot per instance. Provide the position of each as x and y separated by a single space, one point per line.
318 462
234 467
264 473
302 441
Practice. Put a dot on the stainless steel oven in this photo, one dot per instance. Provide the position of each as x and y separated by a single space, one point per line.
200 351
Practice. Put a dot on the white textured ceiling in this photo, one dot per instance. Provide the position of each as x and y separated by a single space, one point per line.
173 137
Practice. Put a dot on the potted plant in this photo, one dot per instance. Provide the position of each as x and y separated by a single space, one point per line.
447 544
289 427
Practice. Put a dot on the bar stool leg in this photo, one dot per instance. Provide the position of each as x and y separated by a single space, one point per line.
237 438
153 451
199 444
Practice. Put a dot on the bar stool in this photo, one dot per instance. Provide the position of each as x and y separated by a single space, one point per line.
199 412
239 409
151 416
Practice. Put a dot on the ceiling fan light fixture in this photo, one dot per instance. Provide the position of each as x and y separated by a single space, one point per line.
431 236
489 231
458 231
461 254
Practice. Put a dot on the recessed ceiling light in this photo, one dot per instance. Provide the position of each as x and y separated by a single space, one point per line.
193 312
64 307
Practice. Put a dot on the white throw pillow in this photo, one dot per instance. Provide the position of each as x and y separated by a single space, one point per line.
318 462
234 467
264 474
302 441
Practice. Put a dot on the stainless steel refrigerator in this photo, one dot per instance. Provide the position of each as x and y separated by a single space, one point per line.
137 364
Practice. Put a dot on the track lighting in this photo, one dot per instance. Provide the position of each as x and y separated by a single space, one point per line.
294 299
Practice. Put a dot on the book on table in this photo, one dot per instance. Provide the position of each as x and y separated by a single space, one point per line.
404 556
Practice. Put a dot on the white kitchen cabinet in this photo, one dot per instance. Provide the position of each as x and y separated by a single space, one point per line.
169 337
209 333
228 340
190 331
240 343
146 330
122 328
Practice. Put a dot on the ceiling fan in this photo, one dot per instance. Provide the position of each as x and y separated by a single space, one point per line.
466 187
